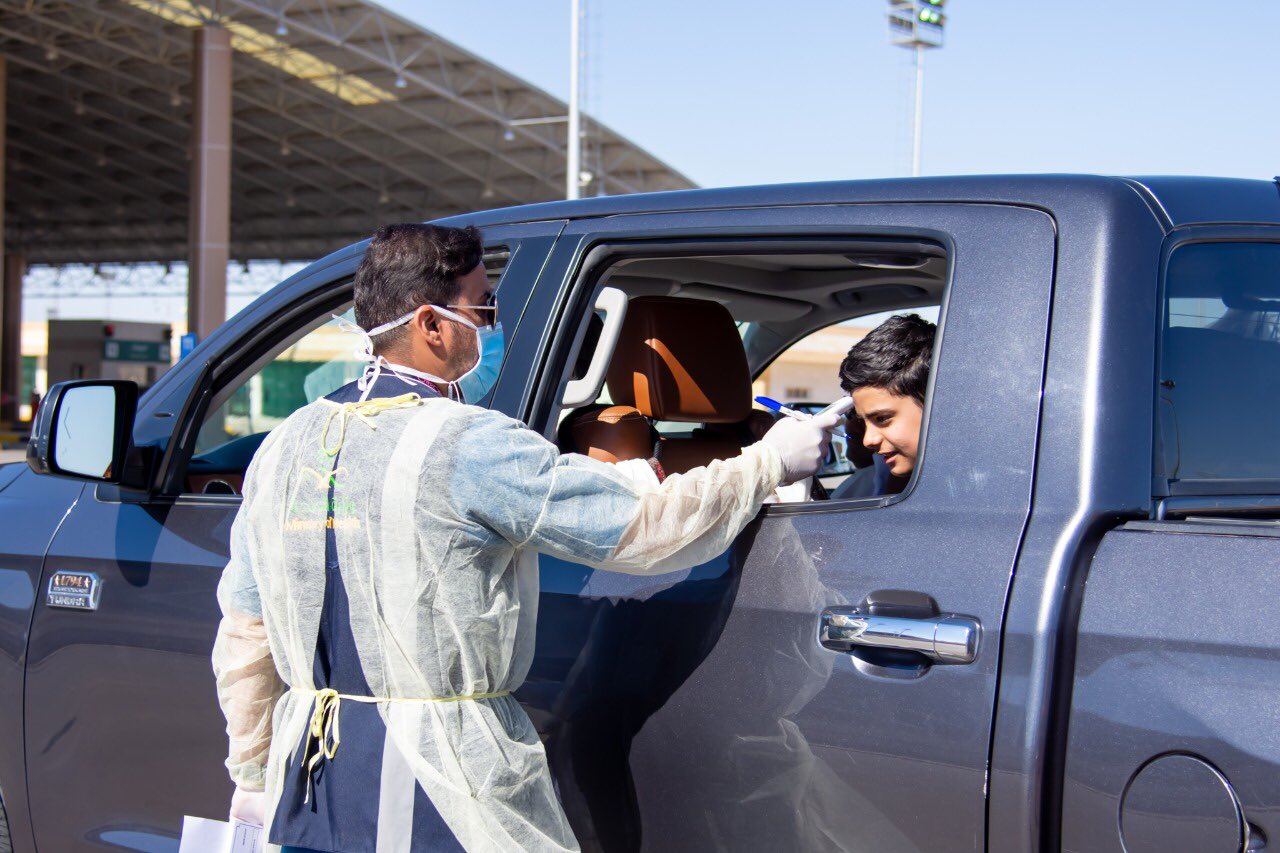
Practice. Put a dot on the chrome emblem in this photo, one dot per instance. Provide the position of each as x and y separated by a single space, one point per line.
75 590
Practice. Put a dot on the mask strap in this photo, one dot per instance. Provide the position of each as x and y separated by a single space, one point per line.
376 363
456 317
364 351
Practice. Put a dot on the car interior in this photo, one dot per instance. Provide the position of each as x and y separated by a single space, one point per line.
682 347
663 362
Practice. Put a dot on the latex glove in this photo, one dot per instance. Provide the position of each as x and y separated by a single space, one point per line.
249 806
803 444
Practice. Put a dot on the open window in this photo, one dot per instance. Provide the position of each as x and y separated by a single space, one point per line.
294 367
313 361
670 347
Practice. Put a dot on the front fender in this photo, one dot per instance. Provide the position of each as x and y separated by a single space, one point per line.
31 509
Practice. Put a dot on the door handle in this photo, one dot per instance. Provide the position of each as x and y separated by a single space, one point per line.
942 639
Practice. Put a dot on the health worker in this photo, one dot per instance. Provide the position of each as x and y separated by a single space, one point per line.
380 600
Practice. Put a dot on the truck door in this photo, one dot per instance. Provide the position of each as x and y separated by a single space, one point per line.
123 731
1173 743
699 710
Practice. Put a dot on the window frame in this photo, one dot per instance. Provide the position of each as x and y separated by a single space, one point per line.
241 376
235 364
255 351
595 257
1169 493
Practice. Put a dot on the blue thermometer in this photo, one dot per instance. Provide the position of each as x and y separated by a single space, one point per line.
842 405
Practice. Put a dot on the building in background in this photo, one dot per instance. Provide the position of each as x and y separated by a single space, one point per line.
808 371
168 131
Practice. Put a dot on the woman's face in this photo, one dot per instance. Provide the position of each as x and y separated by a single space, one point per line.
892 426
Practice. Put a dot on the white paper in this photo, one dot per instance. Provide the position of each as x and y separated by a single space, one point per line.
247 838
204 835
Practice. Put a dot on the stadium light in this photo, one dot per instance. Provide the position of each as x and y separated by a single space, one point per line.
917 24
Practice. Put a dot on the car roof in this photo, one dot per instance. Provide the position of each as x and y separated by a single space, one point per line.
1175 200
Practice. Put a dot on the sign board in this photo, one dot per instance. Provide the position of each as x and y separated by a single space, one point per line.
117 350
114 350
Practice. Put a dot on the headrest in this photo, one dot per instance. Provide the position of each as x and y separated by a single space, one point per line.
608 433
680 360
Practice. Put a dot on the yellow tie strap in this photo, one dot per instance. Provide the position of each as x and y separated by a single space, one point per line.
365 411
325 732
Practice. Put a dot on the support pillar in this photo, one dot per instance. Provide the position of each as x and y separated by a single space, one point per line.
10 295
15 268
210 212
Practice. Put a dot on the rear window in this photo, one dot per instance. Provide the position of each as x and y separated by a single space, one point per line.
1219 380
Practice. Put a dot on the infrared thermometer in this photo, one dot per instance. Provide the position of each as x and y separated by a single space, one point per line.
840 407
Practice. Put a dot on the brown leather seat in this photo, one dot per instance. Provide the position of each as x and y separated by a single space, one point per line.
608 433
682 360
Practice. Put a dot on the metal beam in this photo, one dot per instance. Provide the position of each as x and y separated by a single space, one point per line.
104 78
11 295
210 217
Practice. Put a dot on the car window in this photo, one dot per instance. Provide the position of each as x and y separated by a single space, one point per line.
806 376
802 374
1218 394
317 363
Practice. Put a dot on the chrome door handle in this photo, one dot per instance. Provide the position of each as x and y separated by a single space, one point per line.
942 639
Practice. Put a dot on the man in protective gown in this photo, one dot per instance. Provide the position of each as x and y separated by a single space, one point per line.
380 601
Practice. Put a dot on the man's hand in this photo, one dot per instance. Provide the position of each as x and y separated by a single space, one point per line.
802 444
249 806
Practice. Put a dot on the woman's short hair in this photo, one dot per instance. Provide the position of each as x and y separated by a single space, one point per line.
894 355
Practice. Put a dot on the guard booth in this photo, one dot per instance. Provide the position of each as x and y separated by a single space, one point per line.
102 349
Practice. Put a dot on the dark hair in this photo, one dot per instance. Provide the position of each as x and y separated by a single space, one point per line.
894 355
408 265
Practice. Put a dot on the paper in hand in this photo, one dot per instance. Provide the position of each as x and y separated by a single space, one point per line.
247 838
203 835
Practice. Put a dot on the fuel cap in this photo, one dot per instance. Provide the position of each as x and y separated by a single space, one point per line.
1180 803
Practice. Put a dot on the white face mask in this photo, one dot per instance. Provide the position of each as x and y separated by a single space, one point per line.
472 385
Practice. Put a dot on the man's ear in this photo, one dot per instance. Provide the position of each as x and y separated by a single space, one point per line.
426 325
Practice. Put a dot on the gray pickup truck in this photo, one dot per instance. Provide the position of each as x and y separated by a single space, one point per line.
1063 634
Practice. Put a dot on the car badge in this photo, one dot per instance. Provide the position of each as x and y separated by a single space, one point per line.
75 590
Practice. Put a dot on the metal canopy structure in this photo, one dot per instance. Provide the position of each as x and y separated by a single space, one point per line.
344 116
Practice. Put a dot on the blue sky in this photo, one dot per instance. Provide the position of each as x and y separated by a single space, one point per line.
747 92
742 91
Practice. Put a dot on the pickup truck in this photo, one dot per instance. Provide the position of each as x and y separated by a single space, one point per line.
1062 634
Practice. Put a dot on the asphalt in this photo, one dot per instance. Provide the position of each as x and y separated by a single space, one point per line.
12 455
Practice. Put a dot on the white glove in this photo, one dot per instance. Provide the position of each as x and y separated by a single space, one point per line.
803 444
249 806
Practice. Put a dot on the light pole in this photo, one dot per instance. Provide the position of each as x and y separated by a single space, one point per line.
916 24
573 166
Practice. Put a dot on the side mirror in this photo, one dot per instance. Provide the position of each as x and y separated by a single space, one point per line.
83 430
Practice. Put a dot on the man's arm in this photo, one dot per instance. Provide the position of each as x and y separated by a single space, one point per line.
248 684
516 483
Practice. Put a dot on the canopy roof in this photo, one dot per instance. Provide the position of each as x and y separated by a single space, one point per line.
344 116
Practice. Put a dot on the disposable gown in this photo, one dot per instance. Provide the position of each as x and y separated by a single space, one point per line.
435 512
